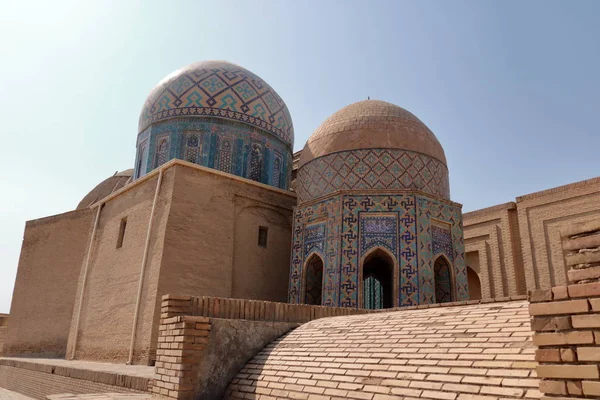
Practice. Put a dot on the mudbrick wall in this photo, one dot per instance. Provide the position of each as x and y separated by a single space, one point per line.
3 328
566 320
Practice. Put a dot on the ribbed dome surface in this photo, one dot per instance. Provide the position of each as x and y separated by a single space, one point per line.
372 124
219 89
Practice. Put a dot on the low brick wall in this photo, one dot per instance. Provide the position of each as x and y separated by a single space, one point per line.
566 320
201 355
252 310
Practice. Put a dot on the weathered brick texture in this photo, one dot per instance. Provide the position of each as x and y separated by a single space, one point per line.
181 346
566 320
477 352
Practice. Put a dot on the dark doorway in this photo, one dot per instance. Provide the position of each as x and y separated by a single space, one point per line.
474 284
378 281
313 287
443 280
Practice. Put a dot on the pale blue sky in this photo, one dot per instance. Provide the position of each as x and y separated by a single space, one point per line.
510 88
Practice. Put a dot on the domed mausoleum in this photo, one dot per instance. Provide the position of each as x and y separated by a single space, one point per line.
374 226
219 115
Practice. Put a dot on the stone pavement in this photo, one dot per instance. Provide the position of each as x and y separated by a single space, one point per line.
6 394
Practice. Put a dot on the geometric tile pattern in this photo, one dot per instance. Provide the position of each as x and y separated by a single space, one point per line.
307 218
372 169
219 89
353 224
442 241
314 239
443 281
428 209
378 230
227 146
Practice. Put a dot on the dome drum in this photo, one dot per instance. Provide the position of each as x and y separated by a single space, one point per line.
372 144
224 145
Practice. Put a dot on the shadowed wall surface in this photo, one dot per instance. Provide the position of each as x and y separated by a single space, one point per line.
52 254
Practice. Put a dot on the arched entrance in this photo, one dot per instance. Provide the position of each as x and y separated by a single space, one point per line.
378 280
474 284
443 280
313 281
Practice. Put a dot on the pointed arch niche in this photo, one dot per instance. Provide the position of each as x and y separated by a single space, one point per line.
378 278
444 280
313 280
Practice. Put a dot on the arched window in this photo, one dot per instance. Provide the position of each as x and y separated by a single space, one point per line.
162 152
443 280
191 148
225 156
378 280
277 172
474 284
255 163
313 278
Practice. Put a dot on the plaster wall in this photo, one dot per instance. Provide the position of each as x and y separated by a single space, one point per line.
211 242
232 344
493 250
52 253
110 294
542 216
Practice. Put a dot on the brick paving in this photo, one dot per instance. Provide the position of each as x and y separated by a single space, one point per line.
99 396
474 352
6 394
142 371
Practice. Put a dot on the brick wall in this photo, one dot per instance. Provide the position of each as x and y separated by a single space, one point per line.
181 344
566 320
253 310
185 362
492 237
542 218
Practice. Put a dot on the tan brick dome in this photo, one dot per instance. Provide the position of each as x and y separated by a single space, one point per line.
372 124
106 187
368 145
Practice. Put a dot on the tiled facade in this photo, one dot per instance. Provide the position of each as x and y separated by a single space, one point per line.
228 146
413 228
372 169
374 205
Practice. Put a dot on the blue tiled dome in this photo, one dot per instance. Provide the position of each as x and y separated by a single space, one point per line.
219 89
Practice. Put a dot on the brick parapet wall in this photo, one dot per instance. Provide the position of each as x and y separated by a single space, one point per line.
566 320
252 310
181 346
